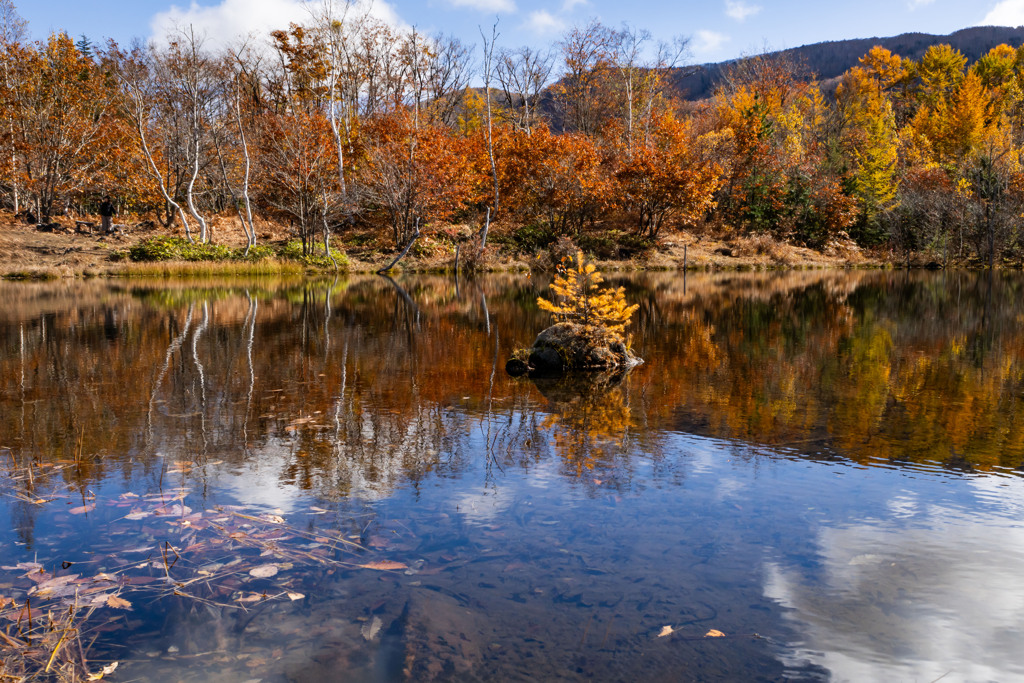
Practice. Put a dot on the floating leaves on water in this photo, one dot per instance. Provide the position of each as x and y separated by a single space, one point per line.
30 566
714 633
294 596
105 671
173 510
52 585
371 628
384 565
83 509
264 571
118 603
314 510
666 631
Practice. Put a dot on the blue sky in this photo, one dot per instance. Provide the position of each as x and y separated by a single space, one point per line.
718 29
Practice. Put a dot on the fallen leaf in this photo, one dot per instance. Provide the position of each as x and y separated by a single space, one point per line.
295 596
666 631
378 542
384 565
252 597
99 600
31 566
714 633
370 630
173 510
105 671
264 571
118 603
83 509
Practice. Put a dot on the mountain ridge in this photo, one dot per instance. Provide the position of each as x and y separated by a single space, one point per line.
830 59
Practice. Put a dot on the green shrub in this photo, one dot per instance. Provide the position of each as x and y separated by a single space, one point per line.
316 256
257 252
635 245
169 248
528 239
601 246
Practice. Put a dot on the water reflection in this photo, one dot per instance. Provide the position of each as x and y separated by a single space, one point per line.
822 459
909 368
936 594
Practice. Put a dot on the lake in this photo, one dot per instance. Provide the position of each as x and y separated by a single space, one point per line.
816 475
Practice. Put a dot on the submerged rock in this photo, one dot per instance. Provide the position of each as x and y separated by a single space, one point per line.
567 346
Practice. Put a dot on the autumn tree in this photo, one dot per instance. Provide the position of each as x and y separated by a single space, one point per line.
583 96
870 142
13 34
61 109
561 179
671 175
641 79
780 180
413 175
298 174
140 95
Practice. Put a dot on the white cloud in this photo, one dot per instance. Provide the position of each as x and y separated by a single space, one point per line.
706 43
1005 13
543 21
486 5
570 5
914 4
223 23
739 10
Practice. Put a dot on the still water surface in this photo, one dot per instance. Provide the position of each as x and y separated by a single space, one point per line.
306 481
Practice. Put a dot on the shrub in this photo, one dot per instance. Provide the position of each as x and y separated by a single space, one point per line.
475 257
526 240
600 246
316 256
257 252
169 248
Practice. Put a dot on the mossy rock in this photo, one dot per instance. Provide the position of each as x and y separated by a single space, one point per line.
568 346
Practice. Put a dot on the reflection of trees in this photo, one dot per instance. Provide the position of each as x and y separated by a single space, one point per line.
361 390
911 367
592 424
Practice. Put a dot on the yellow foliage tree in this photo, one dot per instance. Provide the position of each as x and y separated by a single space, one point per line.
871 140
601 311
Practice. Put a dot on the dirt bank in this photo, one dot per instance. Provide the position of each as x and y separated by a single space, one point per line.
26 251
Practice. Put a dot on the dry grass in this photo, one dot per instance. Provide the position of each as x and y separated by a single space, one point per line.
764 245
44 645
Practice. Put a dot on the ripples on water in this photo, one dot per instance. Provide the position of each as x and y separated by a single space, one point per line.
820 466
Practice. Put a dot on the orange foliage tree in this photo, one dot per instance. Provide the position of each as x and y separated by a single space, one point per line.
414 175
63 124
673 175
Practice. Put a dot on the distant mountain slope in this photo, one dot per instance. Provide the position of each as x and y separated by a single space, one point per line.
830 59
